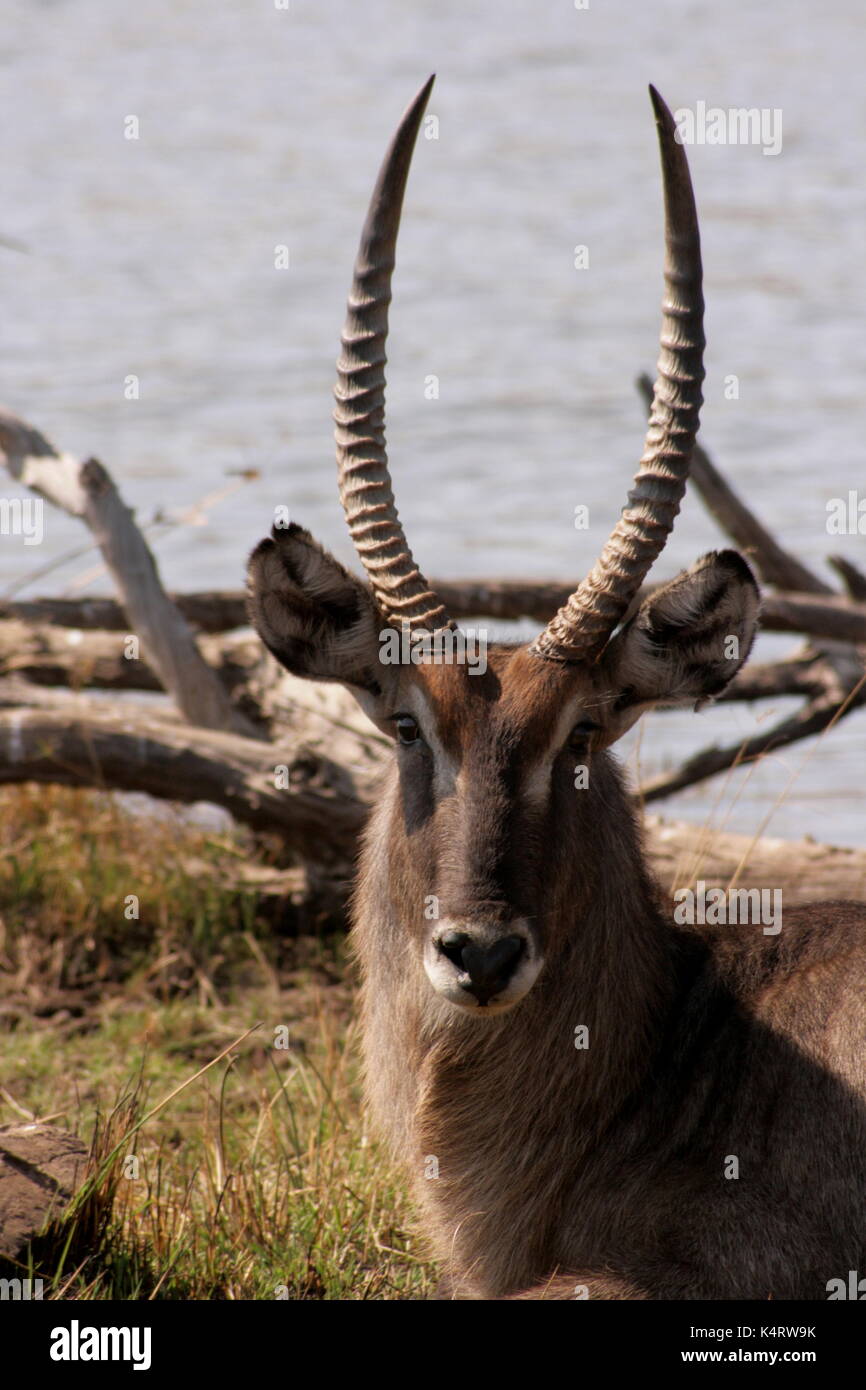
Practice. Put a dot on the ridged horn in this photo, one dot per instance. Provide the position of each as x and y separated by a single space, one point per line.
402 592
580 629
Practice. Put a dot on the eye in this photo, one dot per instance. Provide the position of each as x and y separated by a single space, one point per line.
581 732
407 729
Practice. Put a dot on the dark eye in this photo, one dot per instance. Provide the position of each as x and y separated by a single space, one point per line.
407 729
582 731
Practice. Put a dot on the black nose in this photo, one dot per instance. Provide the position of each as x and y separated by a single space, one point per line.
484 970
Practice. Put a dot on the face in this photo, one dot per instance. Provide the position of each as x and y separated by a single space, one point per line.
487 764
489 759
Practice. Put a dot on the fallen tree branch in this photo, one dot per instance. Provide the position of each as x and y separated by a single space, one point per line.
57 656
51 655
853 578
211 611
799 675
816 715
805 870
833 617
85 490
63 656
49 736
135 751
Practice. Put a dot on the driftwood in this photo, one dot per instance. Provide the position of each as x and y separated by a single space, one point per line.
322 811
833 617
211 611
830 677
853 579
85 744
814 717
58 656
86 490
835 678
98 660
235 697
804 870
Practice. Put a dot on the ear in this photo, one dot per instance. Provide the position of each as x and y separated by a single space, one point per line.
316 618
686 642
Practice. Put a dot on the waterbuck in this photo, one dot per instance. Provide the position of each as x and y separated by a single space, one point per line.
590 1100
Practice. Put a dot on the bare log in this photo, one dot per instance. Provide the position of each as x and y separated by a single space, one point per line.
65 656
334 760
833 617
804 675
51 655
805 870
853 578
219 611
96 659
85 490
136 751
292 712
214 610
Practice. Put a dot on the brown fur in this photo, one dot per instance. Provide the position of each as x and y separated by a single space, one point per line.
542 1170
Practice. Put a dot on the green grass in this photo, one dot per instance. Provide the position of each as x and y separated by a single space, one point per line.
253 1179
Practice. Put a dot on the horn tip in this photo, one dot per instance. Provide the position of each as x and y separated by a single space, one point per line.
413 112
660 107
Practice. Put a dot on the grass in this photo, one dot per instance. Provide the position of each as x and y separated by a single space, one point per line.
227 1163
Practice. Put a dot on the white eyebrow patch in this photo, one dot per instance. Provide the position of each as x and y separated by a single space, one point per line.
446 770
535 783
449 773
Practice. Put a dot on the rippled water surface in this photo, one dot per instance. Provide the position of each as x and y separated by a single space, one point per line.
261 127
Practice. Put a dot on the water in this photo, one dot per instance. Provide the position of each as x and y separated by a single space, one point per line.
259 127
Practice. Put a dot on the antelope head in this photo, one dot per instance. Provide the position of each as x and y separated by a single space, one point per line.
484 788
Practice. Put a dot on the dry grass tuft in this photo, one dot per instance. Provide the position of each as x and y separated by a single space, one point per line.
206 1054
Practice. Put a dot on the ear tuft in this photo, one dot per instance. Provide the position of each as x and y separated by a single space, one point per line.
689 639
315 617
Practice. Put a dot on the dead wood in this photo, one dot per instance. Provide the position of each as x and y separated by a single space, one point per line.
86 490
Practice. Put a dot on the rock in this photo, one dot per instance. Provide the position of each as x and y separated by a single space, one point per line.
40 1169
